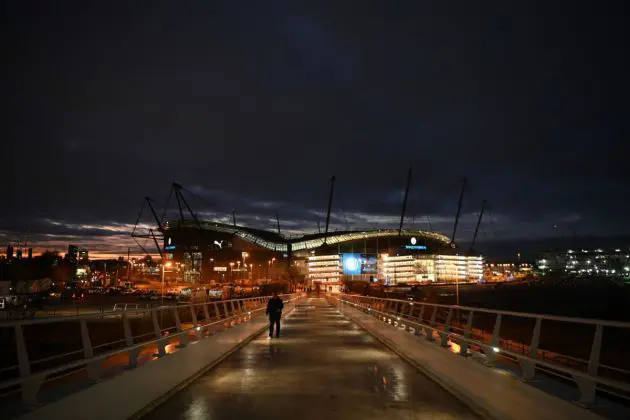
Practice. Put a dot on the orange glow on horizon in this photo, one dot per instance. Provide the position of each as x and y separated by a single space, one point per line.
96 255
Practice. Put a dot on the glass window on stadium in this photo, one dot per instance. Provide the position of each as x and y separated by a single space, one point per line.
192 267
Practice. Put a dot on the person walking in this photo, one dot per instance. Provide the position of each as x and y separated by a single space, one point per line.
274 310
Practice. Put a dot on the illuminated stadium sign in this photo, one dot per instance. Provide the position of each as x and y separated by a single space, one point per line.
356 264
415 247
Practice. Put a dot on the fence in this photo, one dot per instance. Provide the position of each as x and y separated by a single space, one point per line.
49 349
453 326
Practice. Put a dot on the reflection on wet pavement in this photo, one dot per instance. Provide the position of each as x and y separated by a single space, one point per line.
323 367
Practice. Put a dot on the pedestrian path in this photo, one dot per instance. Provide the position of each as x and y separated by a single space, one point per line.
322 367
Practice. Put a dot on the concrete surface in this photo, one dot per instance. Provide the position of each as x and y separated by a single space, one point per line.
322 367
491 392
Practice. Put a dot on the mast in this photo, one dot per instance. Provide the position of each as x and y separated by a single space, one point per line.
459 209
157 221
128 264
330 197
483 207
404 206
278 222
178 194
234 217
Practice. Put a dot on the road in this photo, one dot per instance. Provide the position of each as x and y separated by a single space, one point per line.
322 367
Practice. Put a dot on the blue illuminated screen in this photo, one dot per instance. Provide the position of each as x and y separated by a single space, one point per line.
355 264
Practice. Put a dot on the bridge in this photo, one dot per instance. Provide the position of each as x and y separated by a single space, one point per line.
338 357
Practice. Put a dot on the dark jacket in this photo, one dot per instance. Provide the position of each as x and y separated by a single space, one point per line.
274 306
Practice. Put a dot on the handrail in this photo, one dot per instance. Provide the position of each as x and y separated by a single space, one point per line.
588 381
589 321
31 382
125 306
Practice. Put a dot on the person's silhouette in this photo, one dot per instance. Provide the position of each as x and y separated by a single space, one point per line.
274 310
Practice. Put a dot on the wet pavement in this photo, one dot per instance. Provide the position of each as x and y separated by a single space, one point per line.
322 367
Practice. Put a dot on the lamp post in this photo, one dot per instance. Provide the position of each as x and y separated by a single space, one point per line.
164 266
231 267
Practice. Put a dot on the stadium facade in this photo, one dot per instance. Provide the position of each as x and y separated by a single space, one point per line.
218 252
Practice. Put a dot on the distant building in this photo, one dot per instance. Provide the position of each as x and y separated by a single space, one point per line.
9 252
586 262
18 254
30 253
73 253
84 256
506 270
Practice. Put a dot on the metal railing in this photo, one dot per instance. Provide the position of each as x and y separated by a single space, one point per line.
130 306
115 336
442 323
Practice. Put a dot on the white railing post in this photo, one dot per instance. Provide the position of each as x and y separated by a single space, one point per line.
447 329
93 368
30 384
528 367
217 313
234 313
183 337
226 309
133 353
431 325
492 349
157 332
588 386
206 314
22 353
419 328
463 348
193 316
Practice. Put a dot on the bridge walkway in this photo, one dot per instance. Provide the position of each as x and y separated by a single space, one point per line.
322 367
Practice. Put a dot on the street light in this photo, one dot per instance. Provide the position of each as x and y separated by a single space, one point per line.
164 266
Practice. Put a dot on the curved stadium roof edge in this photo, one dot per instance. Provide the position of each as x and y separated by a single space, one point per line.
276 242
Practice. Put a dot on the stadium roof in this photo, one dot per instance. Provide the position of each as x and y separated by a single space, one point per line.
276 242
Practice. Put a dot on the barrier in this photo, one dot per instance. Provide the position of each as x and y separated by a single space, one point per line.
491 393
414 317
129 306
167 326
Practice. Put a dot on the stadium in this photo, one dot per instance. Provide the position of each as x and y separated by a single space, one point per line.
212 252
226 253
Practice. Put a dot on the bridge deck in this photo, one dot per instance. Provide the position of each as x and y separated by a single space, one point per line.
322 367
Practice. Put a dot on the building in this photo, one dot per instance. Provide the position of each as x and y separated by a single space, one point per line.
506 270
227 253
585 262
73 252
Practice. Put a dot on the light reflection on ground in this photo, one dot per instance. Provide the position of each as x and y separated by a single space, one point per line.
322 367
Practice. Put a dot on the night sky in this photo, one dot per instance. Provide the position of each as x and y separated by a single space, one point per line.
254 105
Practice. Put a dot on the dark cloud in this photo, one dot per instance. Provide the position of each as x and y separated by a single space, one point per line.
254 108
